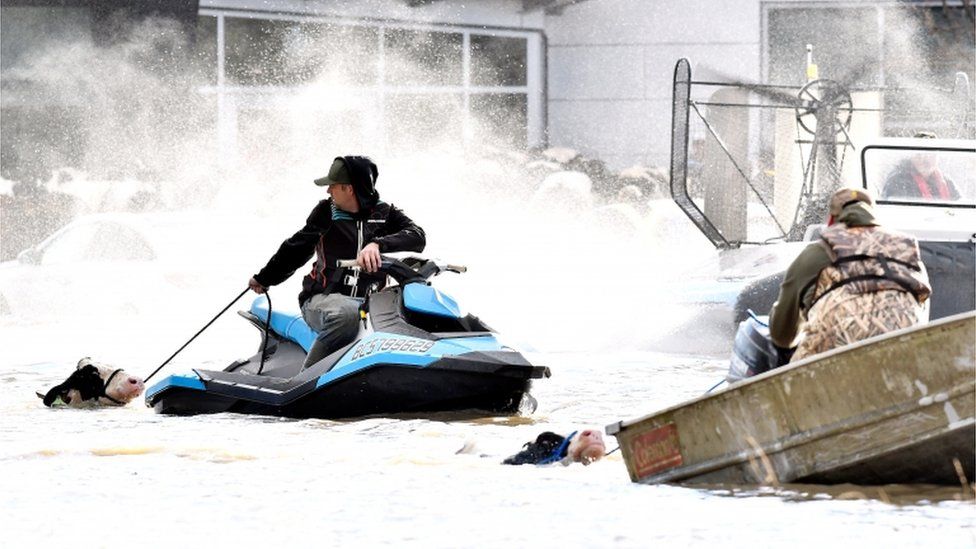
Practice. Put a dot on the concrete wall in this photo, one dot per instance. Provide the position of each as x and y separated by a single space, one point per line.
611 65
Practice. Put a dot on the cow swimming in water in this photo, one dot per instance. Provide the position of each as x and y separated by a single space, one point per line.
94 384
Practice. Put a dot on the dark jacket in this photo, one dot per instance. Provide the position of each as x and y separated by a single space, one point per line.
905 182
331 234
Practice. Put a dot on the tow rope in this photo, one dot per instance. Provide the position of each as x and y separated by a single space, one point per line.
267 333
224 310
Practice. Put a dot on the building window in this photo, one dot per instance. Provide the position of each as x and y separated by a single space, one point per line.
423 58
41 131
205 50
411 85
28 30
264 52
423 120
908 52
501 117
498 60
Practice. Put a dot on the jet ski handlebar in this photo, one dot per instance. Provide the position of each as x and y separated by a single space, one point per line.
404 270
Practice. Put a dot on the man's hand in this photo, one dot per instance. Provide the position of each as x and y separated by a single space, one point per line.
369 257
256 286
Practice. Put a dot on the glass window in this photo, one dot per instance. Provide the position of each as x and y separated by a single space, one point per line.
255 51
37 140
205 50
417 121
845 44
928 41
925 46
288 53
498 60
500 117
26 30
423 58
341 54
913 50
922 176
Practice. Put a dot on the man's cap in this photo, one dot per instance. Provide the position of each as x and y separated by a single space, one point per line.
338 173
847 196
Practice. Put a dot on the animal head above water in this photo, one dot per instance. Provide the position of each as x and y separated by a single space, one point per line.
93 383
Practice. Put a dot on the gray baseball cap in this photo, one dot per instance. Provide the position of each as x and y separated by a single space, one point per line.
338 173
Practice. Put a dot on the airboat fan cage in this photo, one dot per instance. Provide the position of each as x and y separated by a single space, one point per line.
755 163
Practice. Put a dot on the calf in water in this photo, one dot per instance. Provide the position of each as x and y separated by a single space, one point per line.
93 384
584 447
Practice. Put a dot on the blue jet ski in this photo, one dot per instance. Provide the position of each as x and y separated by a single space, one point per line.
416 353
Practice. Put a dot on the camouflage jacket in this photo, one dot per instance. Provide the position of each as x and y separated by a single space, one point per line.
871 259
796 293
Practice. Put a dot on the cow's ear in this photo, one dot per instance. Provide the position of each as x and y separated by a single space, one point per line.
83 362
87 381
53 394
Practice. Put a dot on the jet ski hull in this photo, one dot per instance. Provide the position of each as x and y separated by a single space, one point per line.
451 384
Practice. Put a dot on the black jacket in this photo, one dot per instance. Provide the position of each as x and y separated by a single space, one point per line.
332 234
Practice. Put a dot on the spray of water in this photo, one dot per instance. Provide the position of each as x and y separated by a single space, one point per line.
557 268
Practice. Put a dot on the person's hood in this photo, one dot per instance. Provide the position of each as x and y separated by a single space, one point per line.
363 173
857 214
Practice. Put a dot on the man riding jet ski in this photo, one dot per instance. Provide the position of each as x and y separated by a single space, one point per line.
353 222
415 352
358 349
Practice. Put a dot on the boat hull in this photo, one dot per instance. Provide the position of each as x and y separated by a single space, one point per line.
898 408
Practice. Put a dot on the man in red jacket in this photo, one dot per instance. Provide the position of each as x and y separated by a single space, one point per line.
352 223
919 177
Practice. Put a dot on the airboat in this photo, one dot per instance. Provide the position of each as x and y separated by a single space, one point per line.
752 166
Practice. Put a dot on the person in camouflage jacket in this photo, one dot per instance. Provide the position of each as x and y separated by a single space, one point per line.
858 281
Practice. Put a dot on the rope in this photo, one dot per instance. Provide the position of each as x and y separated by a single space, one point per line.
224 310
713 387
267 329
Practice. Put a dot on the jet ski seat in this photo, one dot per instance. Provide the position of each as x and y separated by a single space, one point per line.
287 324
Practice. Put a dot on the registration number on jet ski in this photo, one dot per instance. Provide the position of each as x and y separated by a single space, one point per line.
385 344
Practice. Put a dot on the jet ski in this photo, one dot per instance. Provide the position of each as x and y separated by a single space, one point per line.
416 353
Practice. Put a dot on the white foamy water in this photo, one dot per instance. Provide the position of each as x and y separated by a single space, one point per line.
227 480
581 300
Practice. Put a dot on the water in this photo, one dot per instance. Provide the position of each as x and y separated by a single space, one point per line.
122 476
583 302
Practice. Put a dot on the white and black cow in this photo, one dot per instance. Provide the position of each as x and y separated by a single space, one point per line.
94 384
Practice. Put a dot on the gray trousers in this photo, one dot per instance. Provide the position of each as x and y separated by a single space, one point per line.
336 319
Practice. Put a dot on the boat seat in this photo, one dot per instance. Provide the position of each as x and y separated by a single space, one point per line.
287 324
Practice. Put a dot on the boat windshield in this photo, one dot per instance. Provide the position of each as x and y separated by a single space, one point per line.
942 176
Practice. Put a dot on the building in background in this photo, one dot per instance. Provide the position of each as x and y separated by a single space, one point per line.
592 75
